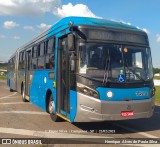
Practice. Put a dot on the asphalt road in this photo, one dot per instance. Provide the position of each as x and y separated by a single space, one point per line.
24 120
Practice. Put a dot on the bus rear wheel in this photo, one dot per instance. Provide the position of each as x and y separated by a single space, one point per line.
51 105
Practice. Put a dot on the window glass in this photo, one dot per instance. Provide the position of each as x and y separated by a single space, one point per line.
34 52
41 49
41 57
50 61
20 54
23 56
21 60
50 57
34 63
50 46
118 63
41 63
34 58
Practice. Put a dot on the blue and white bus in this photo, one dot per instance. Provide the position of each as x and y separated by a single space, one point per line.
86 69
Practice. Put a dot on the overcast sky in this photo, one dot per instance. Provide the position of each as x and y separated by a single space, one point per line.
22 20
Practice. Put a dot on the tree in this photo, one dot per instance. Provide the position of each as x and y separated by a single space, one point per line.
156 70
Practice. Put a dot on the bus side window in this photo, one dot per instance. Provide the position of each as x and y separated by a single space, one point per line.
50 51
34 57
41 57
21 60
11 65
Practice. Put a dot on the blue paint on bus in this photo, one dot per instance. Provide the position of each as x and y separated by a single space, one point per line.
119 94
64 24
73 105
39 88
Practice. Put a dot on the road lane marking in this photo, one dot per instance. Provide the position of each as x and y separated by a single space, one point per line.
13 103
9 98
135 131
6 88
13 97
24 112
8 95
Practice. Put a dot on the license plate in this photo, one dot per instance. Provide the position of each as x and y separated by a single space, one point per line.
127 113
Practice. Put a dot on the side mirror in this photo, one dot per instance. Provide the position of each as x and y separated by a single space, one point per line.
71 46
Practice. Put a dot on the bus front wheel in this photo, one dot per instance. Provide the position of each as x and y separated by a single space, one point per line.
51 105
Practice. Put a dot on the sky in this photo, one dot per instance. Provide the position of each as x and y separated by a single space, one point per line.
22 20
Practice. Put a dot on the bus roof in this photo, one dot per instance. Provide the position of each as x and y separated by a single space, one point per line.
80 21
93 22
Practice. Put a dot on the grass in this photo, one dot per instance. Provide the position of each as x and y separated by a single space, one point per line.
157 77
157 95
157 91
3 77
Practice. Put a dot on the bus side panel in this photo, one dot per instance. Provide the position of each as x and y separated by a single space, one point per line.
12 81
73 105
20 79
35 94
39 86
9 79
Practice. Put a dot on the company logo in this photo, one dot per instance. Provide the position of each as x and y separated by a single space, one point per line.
129 107
141 93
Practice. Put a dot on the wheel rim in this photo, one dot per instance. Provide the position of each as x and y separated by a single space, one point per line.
51 107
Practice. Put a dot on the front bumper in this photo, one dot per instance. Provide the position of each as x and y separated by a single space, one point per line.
90 109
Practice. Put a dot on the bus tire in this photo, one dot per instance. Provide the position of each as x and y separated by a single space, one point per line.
23 95
53 116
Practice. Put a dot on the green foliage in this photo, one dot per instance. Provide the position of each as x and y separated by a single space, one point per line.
3 65
156 70
157 77
3 77
157 95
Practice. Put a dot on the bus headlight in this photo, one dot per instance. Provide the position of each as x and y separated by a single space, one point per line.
87 90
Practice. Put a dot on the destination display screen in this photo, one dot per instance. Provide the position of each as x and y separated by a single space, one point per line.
112 35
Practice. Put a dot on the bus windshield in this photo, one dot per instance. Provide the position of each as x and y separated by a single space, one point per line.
115 61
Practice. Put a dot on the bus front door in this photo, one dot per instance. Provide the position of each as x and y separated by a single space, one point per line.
63 80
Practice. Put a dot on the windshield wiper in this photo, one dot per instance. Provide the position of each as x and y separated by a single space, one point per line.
89 78
107 67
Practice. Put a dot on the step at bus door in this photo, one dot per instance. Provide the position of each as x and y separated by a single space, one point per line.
63 80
